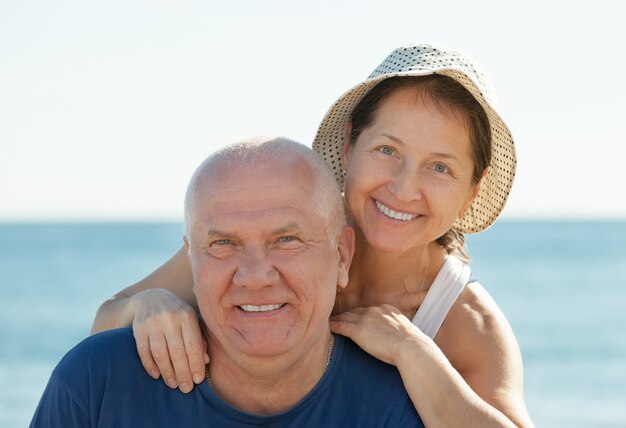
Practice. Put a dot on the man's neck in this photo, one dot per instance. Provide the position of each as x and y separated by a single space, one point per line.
268 385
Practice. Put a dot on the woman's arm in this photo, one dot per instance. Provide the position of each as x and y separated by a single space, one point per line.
162 311
174 275
478 381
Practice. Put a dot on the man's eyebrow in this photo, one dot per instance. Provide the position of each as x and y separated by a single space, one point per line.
290 227
216 233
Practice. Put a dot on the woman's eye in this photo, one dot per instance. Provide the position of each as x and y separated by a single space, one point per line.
386 150
440 168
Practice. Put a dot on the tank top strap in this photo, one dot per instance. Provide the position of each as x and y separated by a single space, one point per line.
445 290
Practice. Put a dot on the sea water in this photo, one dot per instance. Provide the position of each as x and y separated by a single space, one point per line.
562 286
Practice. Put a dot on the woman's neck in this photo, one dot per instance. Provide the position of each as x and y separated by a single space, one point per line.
399 279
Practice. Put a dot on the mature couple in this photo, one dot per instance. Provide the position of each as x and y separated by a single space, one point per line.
423 157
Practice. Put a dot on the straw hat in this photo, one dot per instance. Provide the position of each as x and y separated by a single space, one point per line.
422 60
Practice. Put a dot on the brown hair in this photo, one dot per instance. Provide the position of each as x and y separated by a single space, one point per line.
449 96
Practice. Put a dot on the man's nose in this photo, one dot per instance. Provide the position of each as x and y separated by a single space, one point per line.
255 270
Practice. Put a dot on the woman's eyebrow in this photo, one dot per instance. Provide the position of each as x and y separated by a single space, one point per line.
440 155
393 138
445 155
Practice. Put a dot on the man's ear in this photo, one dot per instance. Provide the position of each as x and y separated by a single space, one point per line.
345 150
345 246
188 254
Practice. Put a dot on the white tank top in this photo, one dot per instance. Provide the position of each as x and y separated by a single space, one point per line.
447 287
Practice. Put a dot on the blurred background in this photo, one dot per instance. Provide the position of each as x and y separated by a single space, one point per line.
107 107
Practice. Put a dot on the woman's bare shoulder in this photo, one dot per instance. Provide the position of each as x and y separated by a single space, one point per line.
478 339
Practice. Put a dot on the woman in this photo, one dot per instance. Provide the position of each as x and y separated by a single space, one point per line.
424 157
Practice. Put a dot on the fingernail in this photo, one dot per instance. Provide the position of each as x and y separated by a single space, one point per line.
171 383
185 387
198 378
155 375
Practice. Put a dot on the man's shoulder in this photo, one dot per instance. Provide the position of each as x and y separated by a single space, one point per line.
361 361
105 343
367 372
105 363
369 390
107 349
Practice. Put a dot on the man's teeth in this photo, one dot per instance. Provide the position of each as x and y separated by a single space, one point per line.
262 308
394 214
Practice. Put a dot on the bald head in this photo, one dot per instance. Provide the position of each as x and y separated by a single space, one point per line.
272 157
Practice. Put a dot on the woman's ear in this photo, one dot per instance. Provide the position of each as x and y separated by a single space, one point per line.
473 193
345 151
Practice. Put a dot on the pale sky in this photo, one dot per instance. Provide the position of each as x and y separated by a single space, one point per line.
107 107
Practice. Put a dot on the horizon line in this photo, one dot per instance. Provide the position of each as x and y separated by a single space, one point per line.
179 221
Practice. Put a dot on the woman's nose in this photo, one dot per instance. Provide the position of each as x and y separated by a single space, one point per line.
406 184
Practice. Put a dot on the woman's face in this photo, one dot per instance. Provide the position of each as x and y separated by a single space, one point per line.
409 173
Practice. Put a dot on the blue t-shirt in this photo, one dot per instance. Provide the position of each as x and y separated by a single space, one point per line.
101 383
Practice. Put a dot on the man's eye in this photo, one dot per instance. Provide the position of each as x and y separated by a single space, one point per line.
288 242
221 242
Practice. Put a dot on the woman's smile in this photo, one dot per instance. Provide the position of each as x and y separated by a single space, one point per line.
396 215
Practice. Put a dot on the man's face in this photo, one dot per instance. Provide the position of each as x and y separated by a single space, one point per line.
265 272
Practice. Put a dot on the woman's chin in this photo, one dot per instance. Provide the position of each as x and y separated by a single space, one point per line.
389 244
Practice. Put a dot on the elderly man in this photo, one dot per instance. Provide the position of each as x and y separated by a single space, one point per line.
266 236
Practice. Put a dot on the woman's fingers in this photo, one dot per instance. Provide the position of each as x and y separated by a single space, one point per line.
357 310
195 347
177 357
145 354
177 354
343 328
346 317
161 355
377 329
169 340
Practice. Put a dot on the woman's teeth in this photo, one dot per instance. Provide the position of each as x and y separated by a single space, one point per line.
394 214
262 308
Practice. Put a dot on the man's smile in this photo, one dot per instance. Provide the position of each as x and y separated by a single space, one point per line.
261 308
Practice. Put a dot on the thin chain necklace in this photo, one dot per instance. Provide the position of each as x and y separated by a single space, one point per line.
330 354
